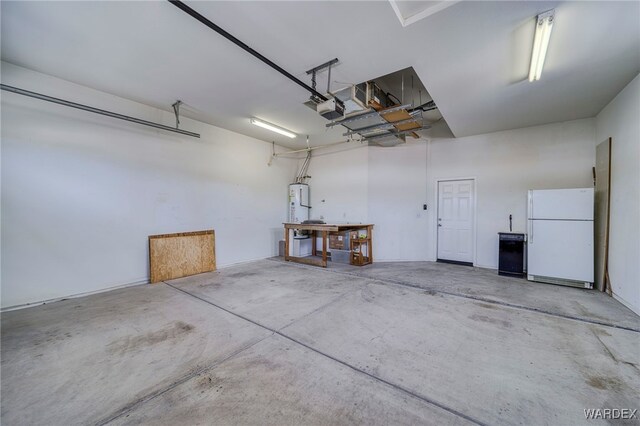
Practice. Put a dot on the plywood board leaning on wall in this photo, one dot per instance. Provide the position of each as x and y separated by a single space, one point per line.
602 214
180 255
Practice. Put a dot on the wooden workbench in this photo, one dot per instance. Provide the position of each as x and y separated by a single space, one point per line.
324 230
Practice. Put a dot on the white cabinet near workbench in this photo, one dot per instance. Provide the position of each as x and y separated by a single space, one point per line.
302 247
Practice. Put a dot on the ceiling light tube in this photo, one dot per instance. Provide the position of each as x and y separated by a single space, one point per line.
544 24
273 128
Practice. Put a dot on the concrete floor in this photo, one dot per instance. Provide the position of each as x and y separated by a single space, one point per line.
276 343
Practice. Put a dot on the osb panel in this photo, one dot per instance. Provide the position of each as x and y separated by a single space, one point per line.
180 255
375 105
407 126
394 116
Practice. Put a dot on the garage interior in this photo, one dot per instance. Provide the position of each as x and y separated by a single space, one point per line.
372 212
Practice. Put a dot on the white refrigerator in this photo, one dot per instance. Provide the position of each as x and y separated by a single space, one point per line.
560 236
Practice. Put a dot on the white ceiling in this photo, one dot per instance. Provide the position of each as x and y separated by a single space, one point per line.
473 57
411 11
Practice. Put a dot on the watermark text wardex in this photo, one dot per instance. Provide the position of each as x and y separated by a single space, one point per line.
610 413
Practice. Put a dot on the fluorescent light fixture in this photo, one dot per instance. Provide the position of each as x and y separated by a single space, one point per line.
273 128
544 24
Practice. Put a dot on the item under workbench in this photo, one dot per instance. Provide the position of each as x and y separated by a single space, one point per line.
324 230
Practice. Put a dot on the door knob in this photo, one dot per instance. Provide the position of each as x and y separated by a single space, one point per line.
439 224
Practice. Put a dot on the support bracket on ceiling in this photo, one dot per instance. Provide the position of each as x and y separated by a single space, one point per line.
398 133
176 111
382 126
313 71
322 66
367 115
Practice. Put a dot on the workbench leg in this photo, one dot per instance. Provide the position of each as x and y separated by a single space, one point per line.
324 249
286 243
313 241
370 248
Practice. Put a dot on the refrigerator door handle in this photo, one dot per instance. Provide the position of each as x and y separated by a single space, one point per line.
530 237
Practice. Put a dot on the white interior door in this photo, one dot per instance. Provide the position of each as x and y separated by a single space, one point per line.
455 220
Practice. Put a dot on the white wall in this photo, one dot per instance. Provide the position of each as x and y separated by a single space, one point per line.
81 192
338 184
386 186
620 121
397 191
403 178
506 165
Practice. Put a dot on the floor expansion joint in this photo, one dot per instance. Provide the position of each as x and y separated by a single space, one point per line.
130 407
466 296
351 367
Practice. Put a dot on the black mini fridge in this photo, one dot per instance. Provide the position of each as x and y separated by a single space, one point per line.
511 254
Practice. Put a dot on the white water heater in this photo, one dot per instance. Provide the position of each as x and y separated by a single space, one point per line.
298 202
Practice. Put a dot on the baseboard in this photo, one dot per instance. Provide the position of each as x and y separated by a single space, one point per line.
635 309
74 296
379 260
455 262
493 268
103 290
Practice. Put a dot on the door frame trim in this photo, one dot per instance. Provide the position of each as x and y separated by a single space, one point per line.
475 213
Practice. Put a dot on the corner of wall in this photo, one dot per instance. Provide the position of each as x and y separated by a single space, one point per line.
619 120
